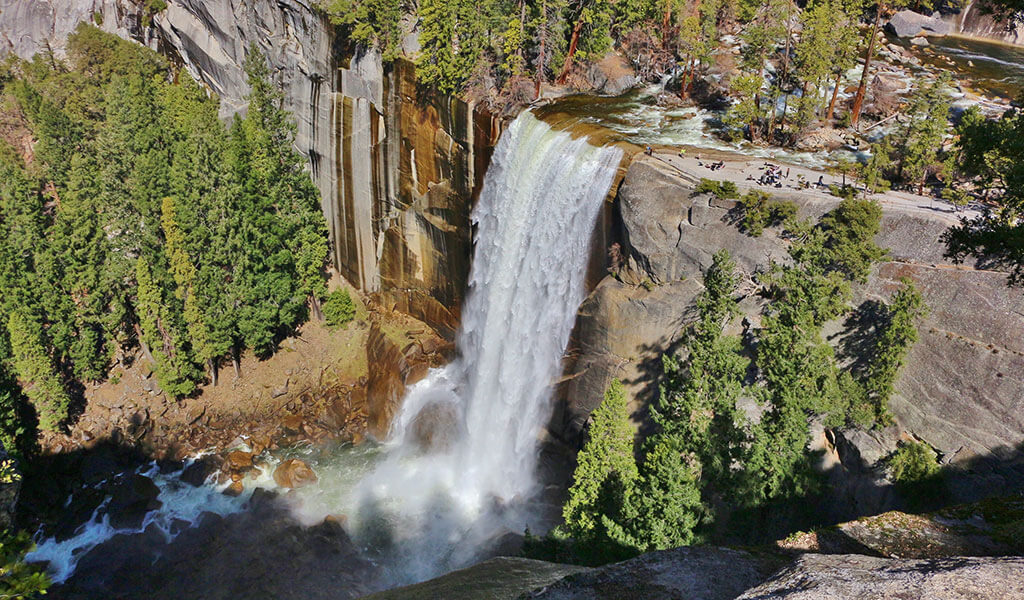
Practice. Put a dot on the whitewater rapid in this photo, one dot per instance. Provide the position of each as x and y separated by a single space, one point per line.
462 453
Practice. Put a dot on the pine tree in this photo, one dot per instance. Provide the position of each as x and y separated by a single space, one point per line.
608 452
36 371
591 33
174 369
669 497
920 137
451 42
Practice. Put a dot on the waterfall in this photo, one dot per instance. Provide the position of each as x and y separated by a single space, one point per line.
462 451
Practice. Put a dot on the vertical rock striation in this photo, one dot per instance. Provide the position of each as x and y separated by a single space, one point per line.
398 167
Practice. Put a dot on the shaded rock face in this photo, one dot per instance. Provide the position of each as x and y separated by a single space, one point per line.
856 577
502 578
256 554
695 573
397 167
959 390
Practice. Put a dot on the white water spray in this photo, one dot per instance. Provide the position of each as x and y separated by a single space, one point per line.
463 449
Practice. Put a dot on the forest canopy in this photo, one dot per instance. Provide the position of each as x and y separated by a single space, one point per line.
138 219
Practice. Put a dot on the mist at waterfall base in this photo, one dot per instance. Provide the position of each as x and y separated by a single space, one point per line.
458 469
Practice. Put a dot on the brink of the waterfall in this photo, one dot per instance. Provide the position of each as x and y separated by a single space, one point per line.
462 452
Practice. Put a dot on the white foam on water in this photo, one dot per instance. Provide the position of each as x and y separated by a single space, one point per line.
181 506
459 466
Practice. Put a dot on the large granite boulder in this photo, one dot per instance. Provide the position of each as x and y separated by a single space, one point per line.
907 23
857 577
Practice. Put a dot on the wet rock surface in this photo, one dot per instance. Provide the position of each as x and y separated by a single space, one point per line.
293 473
256 554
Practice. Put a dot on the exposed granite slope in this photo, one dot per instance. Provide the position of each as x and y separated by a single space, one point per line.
857 577
960 391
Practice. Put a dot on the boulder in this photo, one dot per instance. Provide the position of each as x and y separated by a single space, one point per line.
131 499
196 473
612 75
691 572
234 490
826 138
436 426
919 41
857 577
239 459
293 473
907 23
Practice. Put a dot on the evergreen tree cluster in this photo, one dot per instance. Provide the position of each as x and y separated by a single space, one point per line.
989 160
708 459
143 220
512 41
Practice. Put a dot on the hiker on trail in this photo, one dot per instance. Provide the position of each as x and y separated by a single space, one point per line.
648 151
821 181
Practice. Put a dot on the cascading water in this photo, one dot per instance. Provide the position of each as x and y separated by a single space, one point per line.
458 469
462 452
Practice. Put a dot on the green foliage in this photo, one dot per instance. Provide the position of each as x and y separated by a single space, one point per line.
913 462
18 580
920 137
872 173
746 112
897 333
144 221
36 371
370 22
990 154
701 433
339 309
605 462
849 244
723 190
451 41
759 211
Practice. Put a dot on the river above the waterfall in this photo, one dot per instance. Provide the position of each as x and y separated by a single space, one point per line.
986 74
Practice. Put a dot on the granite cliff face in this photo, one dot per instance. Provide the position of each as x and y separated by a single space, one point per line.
397 167
960 390
973 21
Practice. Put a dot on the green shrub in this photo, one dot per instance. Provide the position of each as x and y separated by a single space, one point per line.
723 190
339 309
18 580
759 211
913 462
847 192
